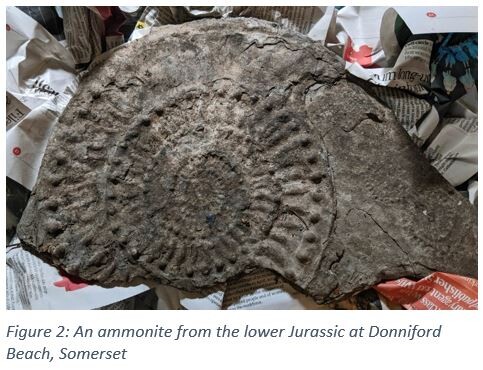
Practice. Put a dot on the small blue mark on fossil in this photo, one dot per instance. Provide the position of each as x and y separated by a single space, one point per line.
210 219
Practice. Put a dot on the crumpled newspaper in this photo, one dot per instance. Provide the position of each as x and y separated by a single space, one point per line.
90 31
40 82
438 291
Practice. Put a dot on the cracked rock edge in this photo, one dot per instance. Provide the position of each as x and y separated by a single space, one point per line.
213 148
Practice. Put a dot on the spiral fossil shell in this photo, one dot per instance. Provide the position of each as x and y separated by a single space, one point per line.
208 149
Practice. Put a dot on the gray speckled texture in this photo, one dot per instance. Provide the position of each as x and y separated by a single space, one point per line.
208 149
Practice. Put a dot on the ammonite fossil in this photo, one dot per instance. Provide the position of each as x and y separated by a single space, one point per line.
209 149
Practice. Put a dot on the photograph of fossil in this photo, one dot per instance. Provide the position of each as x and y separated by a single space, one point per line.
251 150
215 148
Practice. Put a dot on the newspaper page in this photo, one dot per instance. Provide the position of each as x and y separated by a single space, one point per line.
454 151
260 290
34 285
40 82
415 115
15 110
91 30
358 31
364 26
438 291
439 19
265 290
411 70
83 29
208 301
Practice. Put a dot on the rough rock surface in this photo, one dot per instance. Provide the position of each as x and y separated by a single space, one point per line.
208 149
